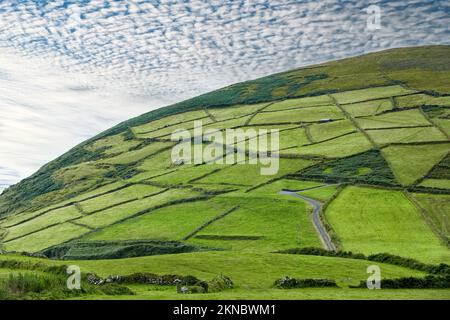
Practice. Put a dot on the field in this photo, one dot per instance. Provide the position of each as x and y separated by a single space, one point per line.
371 221
298 115
420 159
406 135
368 108
340 147
371 94
363 166
437 206
408 118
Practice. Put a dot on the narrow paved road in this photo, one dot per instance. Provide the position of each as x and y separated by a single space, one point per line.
317 207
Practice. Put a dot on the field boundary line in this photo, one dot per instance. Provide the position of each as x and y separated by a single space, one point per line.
308 134
388 97
69 204
171 125
434 123
426 176
426 217
81 224
332 138
210 115
353 121
216 218
205 175
401 127
256 112
42 229
298 108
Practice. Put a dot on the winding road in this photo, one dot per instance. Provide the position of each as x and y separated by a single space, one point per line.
317 207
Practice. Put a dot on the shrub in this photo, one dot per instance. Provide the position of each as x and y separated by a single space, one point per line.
428 282
322 252
441 269
24 283
220 283
290 283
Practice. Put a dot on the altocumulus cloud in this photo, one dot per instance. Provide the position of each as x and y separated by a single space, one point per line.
69 69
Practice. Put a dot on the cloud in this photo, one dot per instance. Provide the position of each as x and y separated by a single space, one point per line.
95 63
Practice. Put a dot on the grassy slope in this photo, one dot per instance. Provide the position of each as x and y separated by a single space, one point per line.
430 73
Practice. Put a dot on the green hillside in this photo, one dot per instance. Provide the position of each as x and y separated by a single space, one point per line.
363 156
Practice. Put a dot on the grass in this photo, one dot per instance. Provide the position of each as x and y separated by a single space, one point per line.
290 135
368 168
325 131
300 103
187 173
264 218
145 293
239 174
114 214
298 115
81 172
407 118
293 138
370 94
170 121
221 114
171 223
372 220
133 192
436 183
421 99
158 163
444 124
419 158
321 194
248 271
47 219
368 108
113 144
139 154
340 147
273 189
438 208
252 273
46 238
406 135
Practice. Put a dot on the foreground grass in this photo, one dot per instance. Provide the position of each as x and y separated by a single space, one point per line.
168 293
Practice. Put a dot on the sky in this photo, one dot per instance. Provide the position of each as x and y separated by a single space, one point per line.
71 69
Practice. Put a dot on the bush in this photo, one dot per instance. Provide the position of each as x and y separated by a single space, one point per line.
428 282
291 283
115 289
440 269
220 283
322 252
25 282
92 250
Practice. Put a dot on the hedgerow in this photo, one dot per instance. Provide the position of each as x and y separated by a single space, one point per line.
428 282
292 283
441 269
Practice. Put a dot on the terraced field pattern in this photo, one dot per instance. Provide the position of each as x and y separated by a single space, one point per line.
366 137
